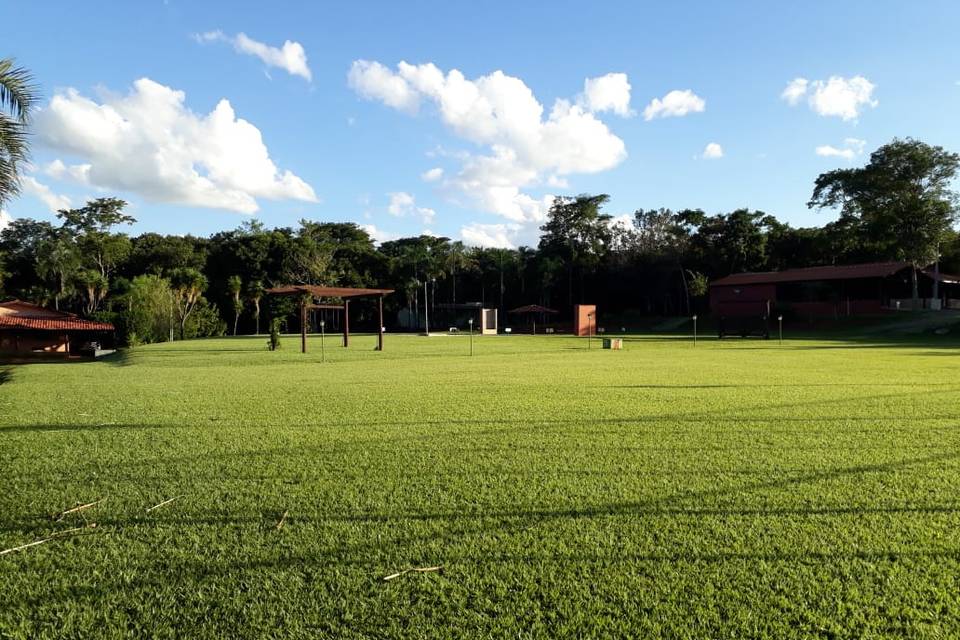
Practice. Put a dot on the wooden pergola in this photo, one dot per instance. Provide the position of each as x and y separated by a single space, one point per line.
309 291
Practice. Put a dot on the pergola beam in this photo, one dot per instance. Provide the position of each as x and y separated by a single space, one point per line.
306 291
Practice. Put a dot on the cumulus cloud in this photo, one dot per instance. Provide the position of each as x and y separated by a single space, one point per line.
837 96
378 235
607 93
712 151
525 144
374 81
402 204
852 147
432 175
5 219
675 104
149 143
57 170
500 236
795 90
45 194
290 57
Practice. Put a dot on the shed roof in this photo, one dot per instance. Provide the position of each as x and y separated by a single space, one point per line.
17 314
944 278
533 308
841 272
325 292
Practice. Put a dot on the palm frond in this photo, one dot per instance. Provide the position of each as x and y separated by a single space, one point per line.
18 91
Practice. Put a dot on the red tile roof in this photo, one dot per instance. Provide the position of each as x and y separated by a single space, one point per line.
843 272
16 314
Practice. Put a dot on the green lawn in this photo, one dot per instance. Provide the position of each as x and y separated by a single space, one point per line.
736 489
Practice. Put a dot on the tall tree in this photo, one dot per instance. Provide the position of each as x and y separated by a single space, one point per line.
187 286
234 287
578 233
91 227
255 293
93 285
901 200
18 94
58 260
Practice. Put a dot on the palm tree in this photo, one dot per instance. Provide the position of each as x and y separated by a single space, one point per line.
57 260
187 285
255 292
234 286
17 97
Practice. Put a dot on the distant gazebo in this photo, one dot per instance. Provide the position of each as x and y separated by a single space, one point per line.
309 292
534 311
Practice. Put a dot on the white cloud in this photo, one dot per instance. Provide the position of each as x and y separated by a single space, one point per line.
675 104
149 143
59 171
490 235
379 235
497 111
5 219
291 57
837 96
852 147
374 81
54 201
712 151
795 90
607 93
403 204
432 175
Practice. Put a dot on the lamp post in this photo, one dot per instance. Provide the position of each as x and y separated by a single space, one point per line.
694 329
780 323
589 331
323 353
471 336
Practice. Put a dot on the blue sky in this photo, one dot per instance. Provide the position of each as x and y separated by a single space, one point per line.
333 129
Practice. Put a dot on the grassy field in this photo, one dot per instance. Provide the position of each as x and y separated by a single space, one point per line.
736 489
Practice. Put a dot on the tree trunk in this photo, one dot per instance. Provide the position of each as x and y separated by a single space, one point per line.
256 314
236 320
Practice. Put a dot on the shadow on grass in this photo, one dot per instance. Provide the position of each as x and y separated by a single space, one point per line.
6 375
370 554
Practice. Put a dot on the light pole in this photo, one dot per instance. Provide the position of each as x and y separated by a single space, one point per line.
694 329
471 336
323 354
780 322
589 331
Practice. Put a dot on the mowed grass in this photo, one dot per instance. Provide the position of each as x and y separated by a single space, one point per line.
735 489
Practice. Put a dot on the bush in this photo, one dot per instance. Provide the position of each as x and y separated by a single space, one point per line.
204 322
274 343
148 312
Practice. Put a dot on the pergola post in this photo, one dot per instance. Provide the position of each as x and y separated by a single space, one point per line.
380 323
303 324
346 322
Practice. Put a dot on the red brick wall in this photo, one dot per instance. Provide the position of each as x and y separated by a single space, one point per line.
583 324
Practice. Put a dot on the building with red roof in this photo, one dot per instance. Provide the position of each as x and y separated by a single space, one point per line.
29 329
829 291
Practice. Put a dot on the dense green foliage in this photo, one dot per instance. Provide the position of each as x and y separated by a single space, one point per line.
735 489
900 206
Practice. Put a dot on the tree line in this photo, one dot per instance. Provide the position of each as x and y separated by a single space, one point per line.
154 287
